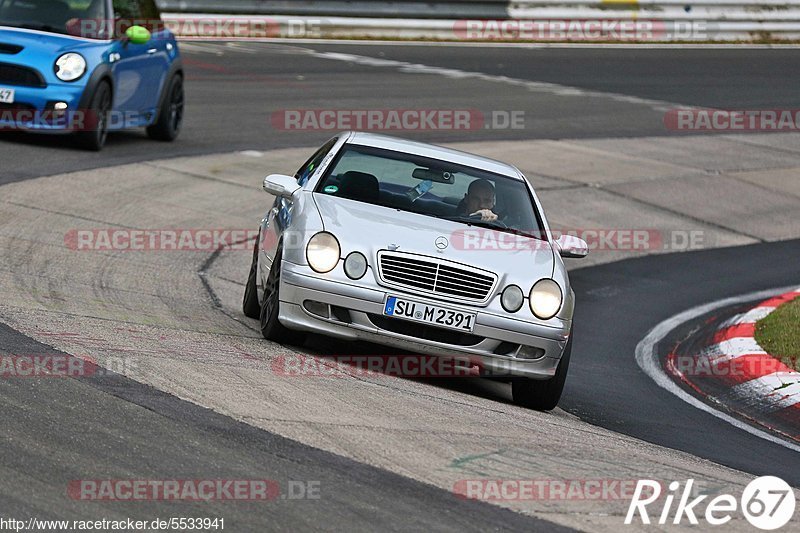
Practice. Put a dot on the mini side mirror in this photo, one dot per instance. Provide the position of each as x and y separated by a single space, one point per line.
137 35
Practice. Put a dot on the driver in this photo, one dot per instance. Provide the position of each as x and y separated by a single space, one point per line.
479 200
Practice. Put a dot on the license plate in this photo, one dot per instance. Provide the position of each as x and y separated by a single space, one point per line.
6 96
429 314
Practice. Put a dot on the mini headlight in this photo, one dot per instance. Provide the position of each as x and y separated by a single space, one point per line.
512 299
355 265
545 299
70 66
323 252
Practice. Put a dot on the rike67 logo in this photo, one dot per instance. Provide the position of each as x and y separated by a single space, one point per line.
767 502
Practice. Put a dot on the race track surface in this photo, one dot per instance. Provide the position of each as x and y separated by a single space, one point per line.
154 425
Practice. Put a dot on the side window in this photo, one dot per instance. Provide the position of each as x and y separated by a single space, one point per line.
313 163
149 9
127 9
137 12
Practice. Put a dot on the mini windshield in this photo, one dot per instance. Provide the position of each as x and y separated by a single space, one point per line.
432 187
80 18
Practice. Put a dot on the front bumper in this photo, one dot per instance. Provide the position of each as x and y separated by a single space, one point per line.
499 339
30 108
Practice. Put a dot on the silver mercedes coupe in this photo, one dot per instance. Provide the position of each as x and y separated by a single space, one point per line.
420 248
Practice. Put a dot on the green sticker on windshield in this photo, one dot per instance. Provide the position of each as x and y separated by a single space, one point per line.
331 189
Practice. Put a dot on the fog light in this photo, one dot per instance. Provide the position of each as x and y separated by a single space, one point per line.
355 265
512 299
60 106
316 308
529 352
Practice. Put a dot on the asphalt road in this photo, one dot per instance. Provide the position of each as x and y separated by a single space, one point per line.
232 92
126 430
58 431
620 302
708 77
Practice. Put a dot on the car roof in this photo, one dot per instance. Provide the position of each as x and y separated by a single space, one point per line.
433 151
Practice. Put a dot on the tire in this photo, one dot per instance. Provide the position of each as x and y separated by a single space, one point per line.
543 395
97 113
250 306
271 327
170 116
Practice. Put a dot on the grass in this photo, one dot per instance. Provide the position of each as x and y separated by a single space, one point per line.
779 333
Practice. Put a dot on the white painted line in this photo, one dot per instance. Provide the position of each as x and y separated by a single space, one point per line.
647 359
533 86
771 392
203 48
750 317
237 47
733 348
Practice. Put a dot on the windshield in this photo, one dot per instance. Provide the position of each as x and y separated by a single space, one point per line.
434 188
80 18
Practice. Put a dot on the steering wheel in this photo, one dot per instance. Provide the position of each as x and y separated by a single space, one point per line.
477 218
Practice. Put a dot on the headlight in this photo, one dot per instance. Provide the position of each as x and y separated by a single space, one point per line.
545 299
70 67
512 299
355 265
323 252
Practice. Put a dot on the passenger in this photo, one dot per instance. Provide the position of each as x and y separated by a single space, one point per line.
479 200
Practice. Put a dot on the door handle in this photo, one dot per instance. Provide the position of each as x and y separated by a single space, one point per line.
152 51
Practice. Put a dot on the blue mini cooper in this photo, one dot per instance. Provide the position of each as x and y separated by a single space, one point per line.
89 67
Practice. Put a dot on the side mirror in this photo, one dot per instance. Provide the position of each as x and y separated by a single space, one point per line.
137 35
280 185
571 246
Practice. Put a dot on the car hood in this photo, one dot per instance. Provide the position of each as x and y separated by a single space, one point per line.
43 43
369 228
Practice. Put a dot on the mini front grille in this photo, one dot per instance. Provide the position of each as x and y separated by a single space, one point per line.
436 276
21 76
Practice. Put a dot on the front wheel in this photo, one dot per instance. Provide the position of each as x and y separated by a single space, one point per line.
170 116
543 395
96 126
250 305
271 327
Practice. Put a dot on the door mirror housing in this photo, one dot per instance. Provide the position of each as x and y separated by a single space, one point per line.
572 247
137 35
281 185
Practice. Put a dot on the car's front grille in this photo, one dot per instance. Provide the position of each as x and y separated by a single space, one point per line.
435 276
22 76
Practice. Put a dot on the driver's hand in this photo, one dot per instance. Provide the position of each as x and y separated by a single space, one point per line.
486 215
